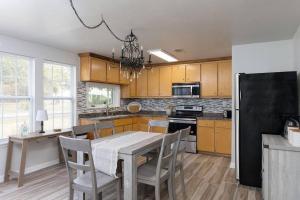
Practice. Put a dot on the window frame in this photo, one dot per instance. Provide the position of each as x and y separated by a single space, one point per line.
29 97
72 97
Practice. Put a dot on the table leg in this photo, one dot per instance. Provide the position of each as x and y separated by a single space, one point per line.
80 160
8 160
60 153
130 174
22 163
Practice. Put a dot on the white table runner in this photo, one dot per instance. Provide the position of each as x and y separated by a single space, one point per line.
105 153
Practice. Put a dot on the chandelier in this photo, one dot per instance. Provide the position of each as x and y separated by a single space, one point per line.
132 54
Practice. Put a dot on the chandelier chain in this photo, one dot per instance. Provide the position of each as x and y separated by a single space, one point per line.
97 25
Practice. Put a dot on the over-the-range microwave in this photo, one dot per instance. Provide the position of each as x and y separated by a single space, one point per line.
186 90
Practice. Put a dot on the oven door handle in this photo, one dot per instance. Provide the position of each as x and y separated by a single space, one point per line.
182 121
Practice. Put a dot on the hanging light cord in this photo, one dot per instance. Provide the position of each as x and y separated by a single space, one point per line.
95 26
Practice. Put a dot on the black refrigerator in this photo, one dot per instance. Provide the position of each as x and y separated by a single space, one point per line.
263 102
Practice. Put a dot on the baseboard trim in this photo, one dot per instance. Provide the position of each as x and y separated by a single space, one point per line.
36 168
232 165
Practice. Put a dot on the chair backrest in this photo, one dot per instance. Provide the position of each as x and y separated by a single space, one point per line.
78 145
99 126
83 130
158 123
167 151
184 133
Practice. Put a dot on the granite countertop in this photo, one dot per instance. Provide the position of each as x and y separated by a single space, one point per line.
277 142
119 114
124 114
213 116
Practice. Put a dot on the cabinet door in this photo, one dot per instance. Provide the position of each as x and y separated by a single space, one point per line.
113 73
106 132
125 91
132 87
178 74
124 79
85 68
224 79
98 70
223 140
142 84
153 82
128 128
119 129
206 139
209 79
192 72
165 80
135 127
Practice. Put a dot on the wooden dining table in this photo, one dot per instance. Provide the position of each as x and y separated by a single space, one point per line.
129 155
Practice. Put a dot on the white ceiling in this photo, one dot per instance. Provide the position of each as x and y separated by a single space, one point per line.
203 28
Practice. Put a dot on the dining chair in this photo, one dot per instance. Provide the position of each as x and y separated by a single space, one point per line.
178 159
152 124
82 131
92 182
155 175
100 126
158 123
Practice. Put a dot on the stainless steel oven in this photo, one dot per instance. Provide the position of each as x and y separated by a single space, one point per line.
186 90
183 117
180 123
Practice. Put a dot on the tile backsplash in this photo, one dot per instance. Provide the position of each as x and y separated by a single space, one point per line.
155 104
209 105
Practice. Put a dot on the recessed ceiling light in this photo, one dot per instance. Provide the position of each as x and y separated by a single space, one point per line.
163 55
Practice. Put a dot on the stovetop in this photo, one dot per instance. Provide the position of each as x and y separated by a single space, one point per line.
175 115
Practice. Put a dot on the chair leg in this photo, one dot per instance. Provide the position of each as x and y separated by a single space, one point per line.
182 182
170 189
142 191
157 192
71 194
119 189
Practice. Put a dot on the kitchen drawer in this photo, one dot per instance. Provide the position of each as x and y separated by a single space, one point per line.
206 123
223 123
128 128
123 121
135 120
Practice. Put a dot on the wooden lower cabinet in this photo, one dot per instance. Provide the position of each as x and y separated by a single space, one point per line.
126 124
206 139
223 140
214 136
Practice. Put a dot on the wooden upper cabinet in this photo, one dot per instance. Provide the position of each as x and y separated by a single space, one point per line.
153 82
209 79
192 72
125 91
132 87
123 77
98 70
178 74
142 84
85 68
113 73
224 79
165 80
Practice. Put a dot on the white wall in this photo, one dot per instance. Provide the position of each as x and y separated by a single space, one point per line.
257 58
41 154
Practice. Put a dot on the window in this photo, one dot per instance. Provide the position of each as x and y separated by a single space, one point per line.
15 98
58 95
98 95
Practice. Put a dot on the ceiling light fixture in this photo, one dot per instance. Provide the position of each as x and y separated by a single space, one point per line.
163 55
132 54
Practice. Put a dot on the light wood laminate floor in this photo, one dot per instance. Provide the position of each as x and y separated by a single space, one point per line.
206 177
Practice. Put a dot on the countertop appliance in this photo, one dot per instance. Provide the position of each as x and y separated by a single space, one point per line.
227 114
186 90
263 101
183 117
